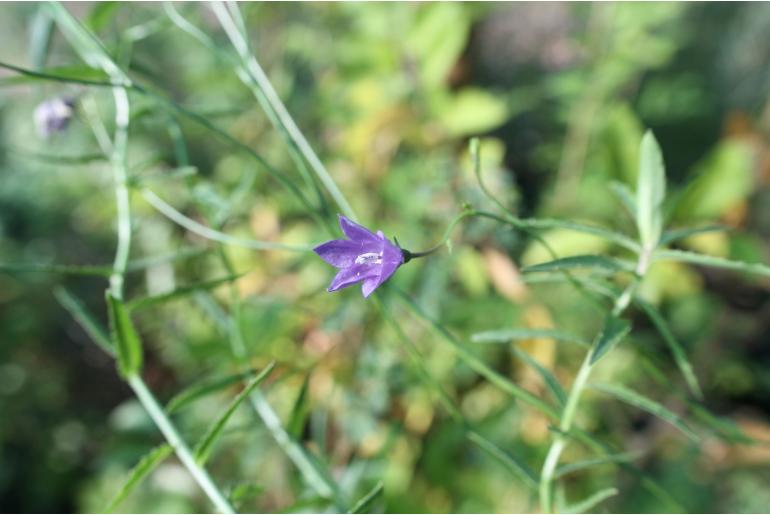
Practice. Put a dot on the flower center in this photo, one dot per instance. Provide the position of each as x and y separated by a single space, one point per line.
369 258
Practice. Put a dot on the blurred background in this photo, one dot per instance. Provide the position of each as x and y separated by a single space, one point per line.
388 95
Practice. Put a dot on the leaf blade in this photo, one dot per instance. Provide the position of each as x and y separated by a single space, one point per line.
591 501
142 469
196 391
581 261
206 443
506 335
646 404
126 340
650 191
516 468
613 331
717 262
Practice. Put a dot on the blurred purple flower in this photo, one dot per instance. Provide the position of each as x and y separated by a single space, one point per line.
365 256
53 116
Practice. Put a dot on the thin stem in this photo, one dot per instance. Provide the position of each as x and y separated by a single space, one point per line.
119 151
180 447
576 391
283 121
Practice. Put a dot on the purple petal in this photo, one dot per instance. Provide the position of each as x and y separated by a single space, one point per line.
352 275
340 253
356 232
369 286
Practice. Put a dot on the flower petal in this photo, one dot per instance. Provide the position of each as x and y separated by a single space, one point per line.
369 286
349 276
340 253
356 232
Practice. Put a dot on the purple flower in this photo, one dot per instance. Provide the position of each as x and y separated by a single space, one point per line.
365 256
53 116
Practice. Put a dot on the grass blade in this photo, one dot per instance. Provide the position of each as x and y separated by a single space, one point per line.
630 397
589 503
141 470
701 259
84 319
363 504
513 466
583 261
680 357
613 331
206 443
506 335
126 339
182 291
300 410
198 391
551 382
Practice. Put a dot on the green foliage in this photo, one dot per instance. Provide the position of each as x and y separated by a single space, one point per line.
613 331
126 342
650 192
146 465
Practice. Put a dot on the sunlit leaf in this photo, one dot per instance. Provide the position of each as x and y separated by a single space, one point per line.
716 262
650 191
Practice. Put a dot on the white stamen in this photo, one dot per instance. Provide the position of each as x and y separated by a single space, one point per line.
369 258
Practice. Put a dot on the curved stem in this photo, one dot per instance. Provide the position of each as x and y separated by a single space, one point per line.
578 386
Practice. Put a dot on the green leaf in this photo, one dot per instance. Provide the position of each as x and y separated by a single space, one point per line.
99 271
506 335
630 397
625 196
206 443
242 492
587 504
686 232
84 319
650 191
126 339
142 469
182 291
198 391
179 255
67 73
518 469
476 364
300 410
680 357
723 428
717 262
613 331
621 457
584 261
551 382
363 504
594 230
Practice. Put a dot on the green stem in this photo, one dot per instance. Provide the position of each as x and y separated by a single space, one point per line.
180 447
578 386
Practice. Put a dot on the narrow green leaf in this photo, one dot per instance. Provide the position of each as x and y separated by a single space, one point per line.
583 261
206 443
625 196
84 319
630 397
717 262
242 492
100 271
506 335
70 73
551 382
518 469
141 470
621 457
613 331
182 291
198 391
300 410
650 191
476 364
680 357
362 505
588 504
179 255
126 339
723 428
679 234
594 230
